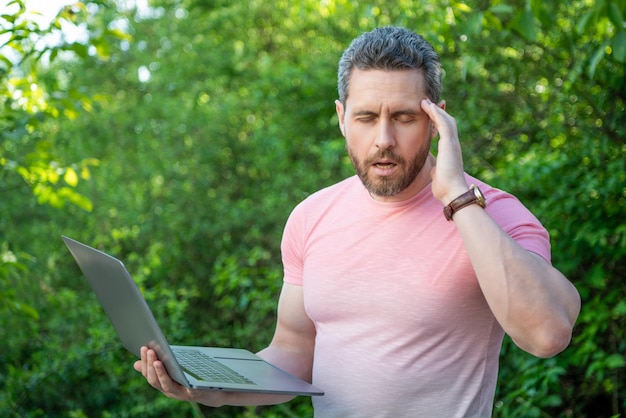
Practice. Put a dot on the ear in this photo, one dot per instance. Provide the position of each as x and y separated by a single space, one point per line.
341 113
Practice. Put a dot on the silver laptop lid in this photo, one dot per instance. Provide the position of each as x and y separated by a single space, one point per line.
124 305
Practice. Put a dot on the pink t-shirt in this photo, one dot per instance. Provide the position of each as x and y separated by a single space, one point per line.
403 329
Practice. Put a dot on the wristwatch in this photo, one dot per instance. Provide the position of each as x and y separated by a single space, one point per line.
470 197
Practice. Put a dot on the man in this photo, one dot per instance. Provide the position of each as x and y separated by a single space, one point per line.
400 282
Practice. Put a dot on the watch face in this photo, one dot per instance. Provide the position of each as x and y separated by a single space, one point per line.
479 195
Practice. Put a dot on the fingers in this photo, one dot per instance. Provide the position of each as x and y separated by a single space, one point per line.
145 363
147 367
155 373
442 121
447 174
445 125
157 376
168 386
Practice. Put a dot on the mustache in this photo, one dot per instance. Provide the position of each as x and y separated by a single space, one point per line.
385 154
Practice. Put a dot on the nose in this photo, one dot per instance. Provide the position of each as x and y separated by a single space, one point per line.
385 137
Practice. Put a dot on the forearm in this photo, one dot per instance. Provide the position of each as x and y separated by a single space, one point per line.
534 303
295 362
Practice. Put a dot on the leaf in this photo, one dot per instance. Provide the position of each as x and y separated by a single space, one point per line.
595 59
615 15
50 174
583 21
80 49
462 7
70 177
53 54
620 308
596 277
26 309
5 60
619 46
9 18
103 49
615 361
475 24
82 202
501 8
119 34
524 24
553 401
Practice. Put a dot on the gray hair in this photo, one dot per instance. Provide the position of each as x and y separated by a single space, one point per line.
391 49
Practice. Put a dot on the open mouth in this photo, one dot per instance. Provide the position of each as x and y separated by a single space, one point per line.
384 164
384 168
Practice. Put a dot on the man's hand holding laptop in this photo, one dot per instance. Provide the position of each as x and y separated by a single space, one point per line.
155 373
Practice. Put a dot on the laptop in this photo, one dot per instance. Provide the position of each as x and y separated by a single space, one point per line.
228 369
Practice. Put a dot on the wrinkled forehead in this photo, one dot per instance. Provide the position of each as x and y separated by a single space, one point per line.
371 88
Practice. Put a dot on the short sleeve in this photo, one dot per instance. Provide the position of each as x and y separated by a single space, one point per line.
292 246
517 221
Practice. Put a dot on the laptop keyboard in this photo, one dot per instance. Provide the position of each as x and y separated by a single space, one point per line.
206 368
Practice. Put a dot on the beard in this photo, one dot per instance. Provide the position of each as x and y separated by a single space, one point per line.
387 186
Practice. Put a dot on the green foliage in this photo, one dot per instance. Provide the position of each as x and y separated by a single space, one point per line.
27 105
179 137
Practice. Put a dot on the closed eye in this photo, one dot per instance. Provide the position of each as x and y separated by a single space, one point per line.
405 118
365 117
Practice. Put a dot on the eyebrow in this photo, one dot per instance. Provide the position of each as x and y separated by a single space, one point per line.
365 113
410 112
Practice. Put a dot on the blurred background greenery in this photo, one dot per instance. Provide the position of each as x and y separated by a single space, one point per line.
179 134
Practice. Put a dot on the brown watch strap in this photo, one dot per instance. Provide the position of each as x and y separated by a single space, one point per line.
468 198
